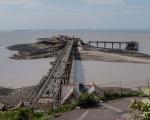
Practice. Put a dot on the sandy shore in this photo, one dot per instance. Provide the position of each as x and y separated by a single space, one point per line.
111 57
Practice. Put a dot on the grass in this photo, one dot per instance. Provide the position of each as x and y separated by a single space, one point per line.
19 114
28 114
111 96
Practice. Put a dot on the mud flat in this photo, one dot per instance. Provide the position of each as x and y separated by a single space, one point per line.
31 51
108 55
111 57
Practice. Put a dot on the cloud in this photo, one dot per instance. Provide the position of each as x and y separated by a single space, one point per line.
14 2
105 2
48 14
28 4
21 2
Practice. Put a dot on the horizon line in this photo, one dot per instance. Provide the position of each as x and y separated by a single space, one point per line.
90 29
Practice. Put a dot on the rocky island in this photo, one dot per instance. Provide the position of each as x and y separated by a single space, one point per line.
42 48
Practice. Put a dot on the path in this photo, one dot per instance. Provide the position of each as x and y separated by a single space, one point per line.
112 110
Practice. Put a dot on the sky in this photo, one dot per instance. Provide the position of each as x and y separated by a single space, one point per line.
74 14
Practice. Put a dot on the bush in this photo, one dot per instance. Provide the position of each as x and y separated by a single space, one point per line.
28 114
20 114
111 95
146 92
38 116
87 100
141 109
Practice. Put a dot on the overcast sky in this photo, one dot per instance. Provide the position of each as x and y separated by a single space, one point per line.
74 14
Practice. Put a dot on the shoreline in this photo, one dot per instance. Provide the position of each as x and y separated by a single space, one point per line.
25 51
87 53
14 96
111 57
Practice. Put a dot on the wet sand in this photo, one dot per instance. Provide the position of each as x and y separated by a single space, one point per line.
111 57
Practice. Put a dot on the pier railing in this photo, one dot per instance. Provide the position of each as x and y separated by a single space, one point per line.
50 84
133 46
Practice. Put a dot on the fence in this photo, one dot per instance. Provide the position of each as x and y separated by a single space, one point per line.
123 87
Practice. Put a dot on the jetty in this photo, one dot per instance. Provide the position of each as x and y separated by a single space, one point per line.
133 46
49 88
58 85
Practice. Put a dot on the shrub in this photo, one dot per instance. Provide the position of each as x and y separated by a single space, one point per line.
111 95
146 92
20 114
141 109
87 100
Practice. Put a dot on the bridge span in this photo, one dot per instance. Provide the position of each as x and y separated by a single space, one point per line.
49 87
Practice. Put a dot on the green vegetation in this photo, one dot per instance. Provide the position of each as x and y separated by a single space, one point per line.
145 92
84 101
141 109
62 109
90 100
87 100
28 114
111 95
20 114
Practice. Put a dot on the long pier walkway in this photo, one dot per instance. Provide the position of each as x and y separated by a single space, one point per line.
50 85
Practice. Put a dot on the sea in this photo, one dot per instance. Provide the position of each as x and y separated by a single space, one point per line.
22 73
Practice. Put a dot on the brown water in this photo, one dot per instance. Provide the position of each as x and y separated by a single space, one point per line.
110 74
18 73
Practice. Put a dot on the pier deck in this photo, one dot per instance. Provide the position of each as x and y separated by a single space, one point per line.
50 85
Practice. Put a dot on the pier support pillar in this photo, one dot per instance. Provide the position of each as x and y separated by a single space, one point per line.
120 46
97 44
112 45
104 45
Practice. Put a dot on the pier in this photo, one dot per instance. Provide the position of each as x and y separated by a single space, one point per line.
59 85
49 88
133 46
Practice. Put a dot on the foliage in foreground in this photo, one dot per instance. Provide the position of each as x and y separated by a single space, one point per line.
20 114
28 114
87 100
141 109
146 92
110 95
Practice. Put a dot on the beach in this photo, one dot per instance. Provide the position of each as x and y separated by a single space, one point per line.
111 57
